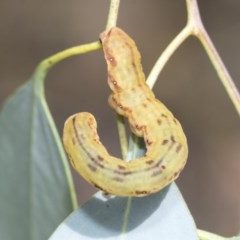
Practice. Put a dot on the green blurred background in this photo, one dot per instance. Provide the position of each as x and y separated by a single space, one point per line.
33 30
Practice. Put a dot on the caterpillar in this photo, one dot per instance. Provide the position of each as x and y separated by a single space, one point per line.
166 144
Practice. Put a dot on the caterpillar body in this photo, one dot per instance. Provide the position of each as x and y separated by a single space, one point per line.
166 144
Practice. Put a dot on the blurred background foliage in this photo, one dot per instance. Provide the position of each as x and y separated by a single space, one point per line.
33 30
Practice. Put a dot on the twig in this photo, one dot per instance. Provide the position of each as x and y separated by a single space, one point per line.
165 56
113 14
198 30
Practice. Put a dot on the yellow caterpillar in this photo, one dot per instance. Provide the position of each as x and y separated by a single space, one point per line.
166 144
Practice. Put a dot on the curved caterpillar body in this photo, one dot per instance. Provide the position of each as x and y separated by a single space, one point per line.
166 144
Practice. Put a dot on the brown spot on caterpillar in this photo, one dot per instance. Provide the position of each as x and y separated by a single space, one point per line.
179 147
165 141
172 139
121 167
111 59
159 163
164 115
144 105
133 89
92 168
118 179
175 121
124 173
148 142
142 192
113 83
100 158
120 106
74 120
159 121
149 162
163 166
175 174
112 80
153 165
116 104
138 127
97 186
97 163
134 66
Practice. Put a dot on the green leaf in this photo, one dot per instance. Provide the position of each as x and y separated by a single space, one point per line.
163 215
36 189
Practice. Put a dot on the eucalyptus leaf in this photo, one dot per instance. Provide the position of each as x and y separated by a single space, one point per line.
163 215
35 180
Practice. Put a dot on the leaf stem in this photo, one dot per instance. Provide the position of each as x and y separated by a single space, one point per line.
43 68
39 76
49 62
165 56
199 31
136 149
221 70
122 133
195 27
126 217
113 14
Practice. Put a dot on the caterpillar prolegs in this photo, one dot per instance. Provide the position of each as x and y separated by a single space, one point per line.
166 144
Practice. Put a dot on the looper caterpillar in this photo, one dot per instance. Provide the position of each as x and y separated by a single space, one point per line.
166 144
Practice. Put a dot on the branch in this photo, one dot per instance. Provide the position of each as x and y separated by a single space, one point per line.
198 30
113 14
165 56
